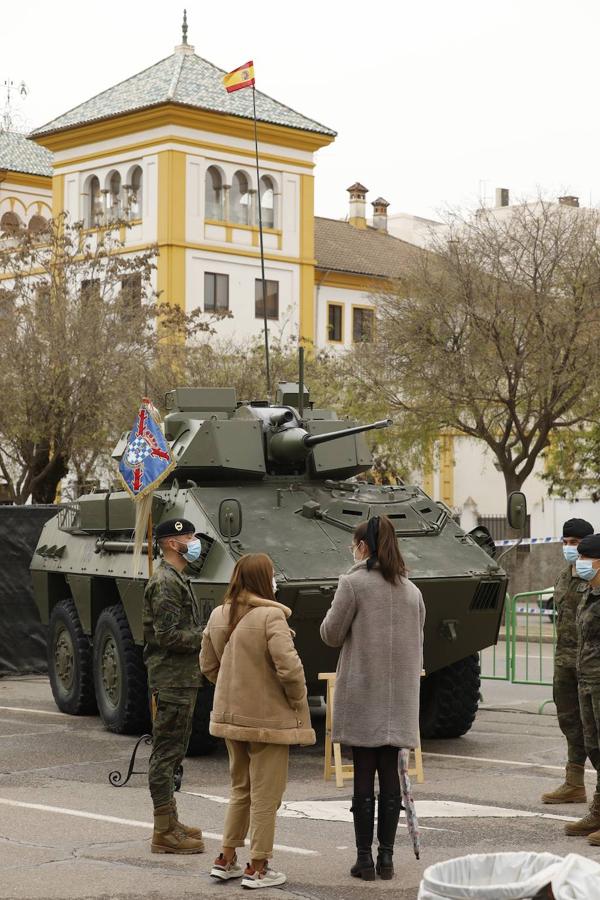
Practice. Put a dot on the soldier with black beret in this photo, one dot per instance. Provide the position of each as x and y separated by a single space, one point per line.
172 638
568 591
588 675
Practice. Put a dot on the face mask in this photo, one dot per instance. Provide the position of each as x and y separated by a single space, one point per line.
585 569
192 551
570 553
275 585
354 557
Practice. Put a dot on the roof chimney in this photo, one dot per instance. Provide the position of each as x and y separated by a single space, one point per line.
358 194
569 201
502 198
380 220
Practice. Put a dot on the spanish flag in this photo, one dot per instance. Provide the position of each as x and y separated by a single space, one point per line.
242 77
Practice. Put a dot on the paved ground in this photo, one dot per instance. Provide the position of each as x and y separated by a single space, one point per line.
66 833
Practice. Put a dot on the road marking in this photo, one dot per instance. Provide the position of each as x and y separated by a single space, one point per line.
131 823
40 712
505 762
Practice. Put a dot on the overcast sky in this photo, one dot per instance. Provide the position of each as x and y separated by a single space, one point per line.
435 102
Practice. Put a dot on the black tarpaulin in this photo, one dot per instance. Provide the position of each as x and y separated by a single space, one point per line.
22 636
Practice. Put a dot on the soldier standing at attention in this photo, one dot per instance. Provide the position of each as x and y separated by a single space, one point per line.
172 638
588 674
568 592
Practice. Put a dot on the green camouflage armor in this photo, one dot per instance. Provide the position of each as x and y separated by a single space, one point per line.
588 673
172 637
568 592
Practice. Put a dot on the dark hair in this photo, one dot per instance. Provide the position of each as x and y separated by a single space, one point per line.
380 536
252 574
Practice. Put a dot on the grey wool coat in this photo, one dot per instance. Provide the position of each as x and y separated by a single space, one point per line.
379 627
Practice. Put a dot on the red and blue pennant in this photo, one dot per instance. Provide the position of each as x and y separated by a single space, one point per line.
147 459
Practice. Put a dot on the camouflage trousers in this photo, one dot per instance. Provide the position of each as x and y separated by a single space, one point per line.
171 730
566 699
589 703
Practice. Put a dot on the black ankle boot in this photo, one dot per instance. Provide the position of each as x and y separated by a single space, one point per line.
388 813
363 810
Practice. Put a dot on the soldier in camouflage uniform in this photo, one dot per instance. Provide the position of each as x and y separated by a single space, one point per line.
568 591
588 674
172 638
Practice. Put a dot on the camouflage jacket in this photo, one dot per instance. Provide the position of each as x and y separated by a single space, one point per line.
172 630
588 632
568 592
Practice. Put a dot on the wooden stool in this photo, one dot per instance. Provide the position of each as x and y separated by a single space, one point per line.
346 770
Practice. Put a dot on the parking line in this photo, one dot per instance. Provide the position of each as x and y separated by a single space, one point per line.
504 762
40 712
131 823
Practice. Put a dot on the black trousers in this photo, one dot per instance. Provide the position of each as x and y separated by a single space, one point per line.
371 760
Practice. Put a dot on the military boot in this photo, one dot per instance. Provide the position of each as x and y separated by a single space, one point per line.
572 790
187 829
589 824
168 837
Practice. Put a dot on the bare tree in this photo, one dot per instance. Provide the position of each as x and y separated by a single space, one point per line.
79 337
494 333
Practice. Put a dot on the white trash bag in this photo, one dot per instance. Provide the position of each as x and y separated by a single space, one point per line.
511 876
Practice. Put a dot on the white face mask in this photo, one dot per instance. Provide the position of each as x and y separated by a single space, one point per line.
354 557
275 585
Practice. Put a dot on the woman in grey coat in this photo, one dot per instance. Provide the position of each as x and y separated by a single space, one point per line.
377 618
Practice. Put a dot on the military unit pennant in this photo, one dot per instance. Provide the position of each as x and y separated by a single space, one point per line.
147 459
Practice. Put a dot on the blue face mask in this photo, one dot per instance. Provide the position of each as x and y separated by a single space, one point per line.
570 553
192 551
585 569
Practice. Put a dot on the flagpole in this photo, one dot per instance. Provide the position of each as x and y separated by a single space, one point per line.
262 252
150 557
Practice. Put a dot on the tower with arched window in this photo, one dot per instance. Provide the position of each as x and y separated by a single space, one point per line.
168 155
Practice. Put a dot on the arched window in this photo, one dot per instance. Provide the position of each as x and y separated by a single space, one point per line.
213 203
114 197
134 192
95 207
10 223
267 202
37 225
240 199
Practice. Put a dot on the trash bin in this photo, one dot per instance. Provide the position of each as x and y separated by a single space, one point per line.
490 876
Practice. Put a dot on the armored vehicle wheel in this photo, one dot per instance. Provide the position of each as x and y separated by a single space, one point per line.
70 661
119 675
201 741
450 699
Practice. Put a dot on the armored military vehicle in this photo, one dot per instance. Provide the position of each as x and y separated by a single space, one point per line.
286 479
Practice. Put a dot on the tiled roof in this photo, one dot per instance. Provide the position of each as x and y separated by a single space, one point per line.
19 154
340 247
186 79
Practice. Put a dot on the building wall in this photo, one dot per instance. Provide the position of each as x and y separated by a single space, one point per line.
26 196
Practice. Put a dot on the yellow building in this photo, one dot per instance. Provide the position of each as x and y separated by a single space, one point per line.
171 151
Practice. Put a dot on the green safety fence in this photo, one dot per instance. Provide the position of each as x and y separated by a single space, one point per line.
524 653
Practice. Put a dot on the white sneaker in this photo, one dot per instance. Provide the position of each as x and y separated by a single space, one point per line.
224 870
267 878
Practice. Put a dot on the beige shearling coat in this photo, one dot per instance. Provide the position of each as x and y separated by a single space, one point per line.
260 692
379 627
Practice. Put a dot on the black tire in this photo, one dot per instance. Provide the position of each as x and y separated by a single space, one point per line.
450 699
201 741
70 662
119 675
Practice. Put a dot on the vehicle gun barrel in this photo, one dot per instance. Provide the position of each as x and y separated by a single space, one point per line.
311 440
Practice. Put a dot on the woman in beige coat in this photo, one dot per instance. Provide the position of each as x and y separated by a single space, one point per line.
260 708
377 618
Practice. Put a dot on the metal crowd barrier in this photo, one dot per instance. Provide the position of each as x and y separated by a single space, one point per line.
526 644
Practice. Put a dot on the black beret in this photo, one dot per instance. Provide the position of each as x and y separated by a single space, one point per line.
590 546
174 528
577 528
